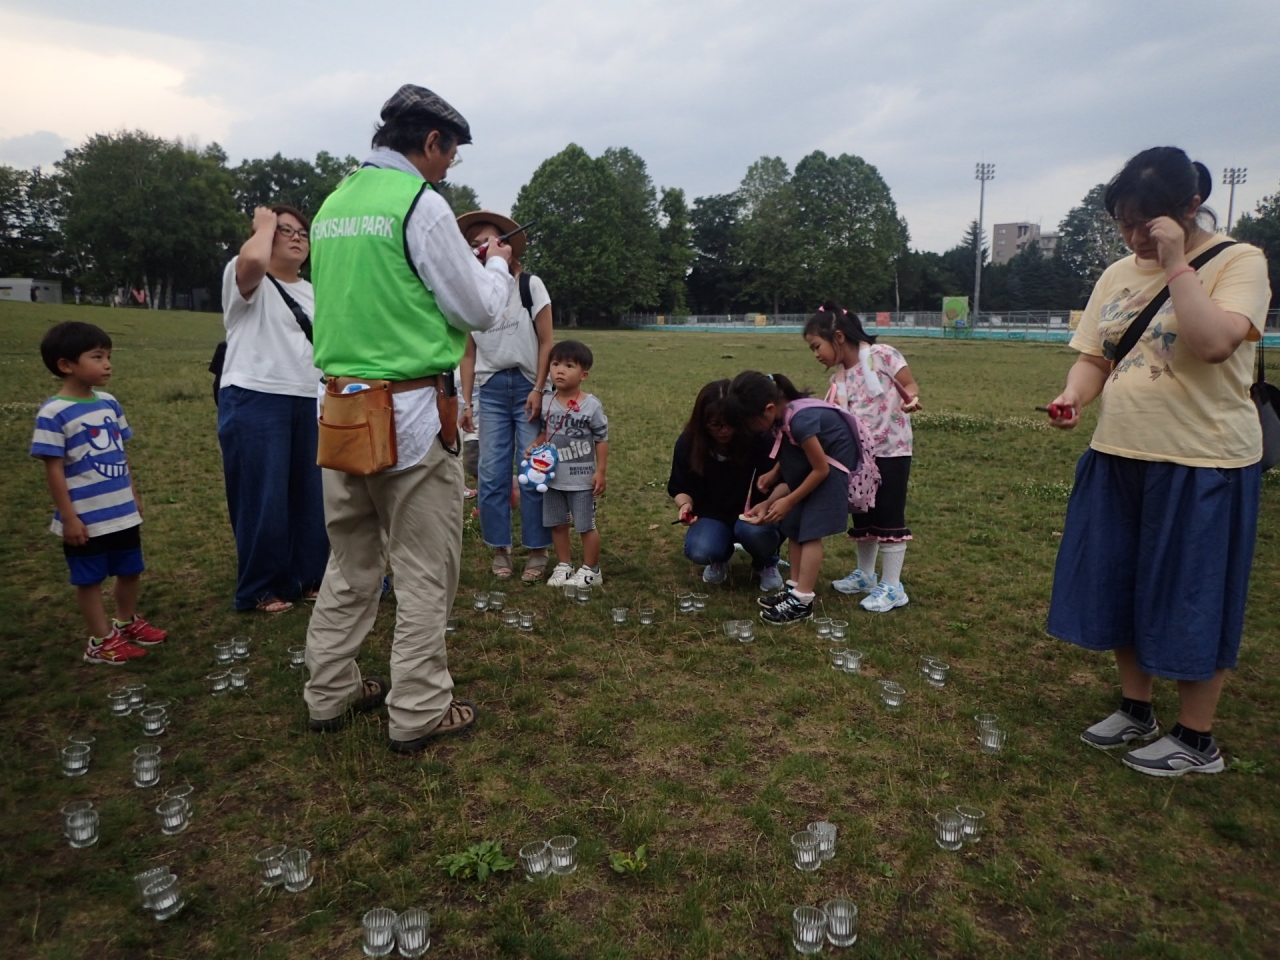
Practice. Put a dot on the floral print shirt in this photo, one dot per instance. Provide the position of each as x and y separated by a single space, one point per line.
889 427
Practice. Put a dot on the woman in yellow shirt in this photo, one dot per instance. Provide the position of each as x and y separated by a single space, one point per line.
1158 541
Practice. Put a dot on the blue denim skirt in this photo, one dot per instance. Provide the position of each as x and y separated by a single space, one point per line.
1156 556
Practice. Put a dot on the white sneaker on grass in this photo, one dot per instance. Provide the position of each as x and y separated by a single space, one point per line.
586 577
770 580
856 582
1119 730
884 598
715 573
560 575
1170 757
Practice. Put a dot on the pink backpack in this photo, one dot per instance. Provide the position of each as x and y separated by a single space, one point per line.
864 480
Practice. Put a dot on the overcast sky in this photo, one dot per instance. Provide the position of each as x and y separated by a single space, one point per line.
1056 94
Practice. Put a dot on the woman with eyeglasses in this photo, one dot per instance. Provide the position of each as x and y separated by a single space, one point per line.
267 416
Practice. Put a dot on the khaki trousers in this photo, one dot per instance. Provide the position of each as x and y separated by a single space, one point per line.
418 512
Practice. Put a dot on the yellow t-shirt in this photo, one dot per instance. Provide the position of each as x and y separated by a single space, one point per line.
1161 402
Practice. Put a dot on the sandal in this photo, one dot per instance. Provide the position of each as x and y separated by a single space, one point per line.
501 566
373 692
535 569
460 716
273 605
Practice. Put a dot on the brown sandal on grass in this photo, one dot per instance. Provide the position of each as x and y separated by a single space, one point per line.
501 566
535 568
273 605
460 717
373 694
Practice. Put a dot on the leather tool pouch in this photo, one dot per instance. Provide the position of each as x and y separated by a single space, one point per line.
357 430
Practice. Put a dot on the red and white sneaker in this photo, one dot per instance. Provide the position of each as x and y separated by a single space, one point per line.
114 650
140 632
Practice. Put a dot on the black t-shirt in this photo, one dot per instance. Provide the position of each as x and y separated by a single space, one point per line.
721 491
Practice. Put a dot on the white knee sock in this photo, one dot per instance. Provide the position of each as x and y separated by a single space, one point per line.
894 554
867 550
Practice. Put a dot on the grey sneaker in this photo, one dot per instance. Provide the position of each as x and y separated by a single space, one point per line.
1118 730
1170 757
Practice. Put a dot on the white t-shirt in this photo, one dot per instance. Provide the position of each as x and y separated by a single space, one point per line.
266 349
513 340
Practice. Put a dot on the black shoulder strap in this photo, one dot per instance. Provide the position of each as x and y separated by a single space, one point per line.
526 293
295 308
1262 365
1133 333
404 229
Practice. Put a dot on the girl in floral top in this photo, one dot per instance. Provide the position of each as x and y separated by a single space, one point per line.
872 381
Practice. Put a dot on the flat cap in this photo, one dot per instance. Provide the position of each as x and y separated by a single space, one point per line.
412 99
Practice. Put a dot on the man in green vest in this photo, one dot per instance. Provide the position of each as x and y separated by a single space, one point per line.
397 290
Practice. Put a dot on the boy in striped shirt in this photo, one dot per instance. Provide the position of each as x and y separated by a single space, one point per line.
80 435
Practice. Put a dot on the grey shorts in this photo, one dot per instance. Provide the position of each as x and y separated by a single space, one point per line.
561 506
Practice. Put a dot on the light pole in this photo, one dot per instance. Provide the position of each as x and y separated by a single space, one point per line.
1231 176
982 173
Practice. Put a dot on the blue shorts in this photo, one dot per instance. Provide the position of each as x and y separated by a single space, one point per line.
561 506
117 554
1156 556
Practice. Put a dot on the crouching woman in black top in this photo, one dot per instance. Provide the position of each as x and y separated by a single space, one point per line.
712 482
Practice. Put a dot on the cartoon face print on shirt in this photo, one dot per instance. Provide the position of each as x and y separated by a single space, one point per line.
106 448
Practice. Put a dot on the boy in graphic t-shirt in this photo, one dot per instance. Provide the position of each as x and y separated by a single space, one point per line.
80 435
574 422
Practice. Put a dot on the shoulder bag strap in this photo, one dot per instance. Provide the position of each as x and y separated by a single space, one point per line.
295 308
526 294
1133 333
1261 372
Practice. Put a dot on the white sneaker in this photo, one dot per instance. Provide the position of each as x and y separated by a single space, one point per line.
770 580
715 573
560 575
586 577
884 598
856 582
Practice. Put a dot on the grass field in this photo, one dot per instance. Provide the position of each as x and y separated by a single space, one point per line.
708 752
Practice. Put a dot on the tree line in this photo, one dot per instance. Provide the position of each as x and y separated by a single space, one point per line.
129 209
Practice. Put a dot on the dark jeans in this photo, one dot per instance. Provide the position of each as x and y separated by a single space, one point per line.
273 493
711 541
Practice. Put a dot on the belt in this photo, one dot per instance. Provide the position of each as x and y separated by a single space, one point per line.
395 386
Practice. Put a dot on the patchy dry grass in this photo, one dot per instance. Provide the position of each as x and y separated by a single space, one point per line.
708 752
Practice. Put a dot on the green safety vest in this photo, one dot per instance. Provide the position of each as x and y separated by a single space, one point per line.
375 318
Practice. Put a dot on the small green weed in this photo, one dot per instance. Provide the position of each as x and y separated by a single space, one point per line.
1252 767
479 860
630 864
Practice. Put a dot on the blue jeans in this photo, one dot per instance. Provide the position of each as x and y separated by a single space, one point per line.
711 541
273 493
505 432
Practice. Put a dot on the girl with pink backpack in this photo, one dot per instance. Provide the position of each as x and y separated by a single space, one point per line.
872 381
819 469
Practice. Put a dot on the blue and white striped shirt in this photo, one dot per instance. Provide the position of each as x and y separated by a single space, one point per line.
89 436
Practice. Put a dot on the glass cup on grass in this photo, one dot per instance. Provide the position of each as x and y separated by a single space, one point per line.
296 867
224 652
842 922
155 720
526 619
479 603
570 591
75 760
806 851
985 721
511 618
413 932
808 929
451 625
145 879
297 657
85 739
699 602
892 695
646 616
949 830
684 602
239 679
137 695
497 601
70 810
836 652
146 765
82 829
924 663
240 646
973 818
118 701
746 631
839 629
822 626
268 861
730 628
992 740
379 932
619 615
853 661
175 817
219 682
164 897
826 833
536 859
584 594
938 671
564 854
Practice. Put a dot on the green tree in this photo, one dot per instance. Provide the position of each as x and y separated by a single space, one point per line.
771 245
31 242
1088 241
579 253
639 281
1262 229
461 198
850 227
675 251
715 281
299 183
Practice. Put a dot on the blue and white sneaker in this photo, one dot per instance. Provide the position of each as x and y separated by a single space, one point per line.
715 573
884 598
1119 730
770 579
856 582
1170 757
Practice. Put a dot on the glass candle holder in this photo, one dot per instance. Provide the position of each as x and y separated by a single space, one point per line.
164 897
297 657
145 879
647 616
992 740
839 629
822 626
480 603
224 652
826 833
118 701
239 677
684 602
497 601
155 720
938 673
853 661
570 591
924 663
730 628
808 929
985 721
82 829
619 615
949 830
70 810
137 695
536 859
805 853
378 937
165 705
413 932
699 602
219 682
268 861
836 652
240 646
584 594
296 867
511 618
526 619
146 765
842 922
75 760
973 818
183 792
892 695
451 625
174 815
564 854
746 631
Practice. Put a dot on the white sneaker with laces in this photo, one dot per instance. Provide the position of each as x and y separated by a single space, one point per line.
856 582
884 598
560 575
586 577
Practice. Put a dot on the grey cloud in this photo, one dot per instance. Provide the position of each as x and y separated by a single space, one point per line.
41 148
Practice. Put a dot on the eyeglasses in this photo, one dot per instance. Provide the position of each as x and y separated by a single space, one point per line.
455 161
289 232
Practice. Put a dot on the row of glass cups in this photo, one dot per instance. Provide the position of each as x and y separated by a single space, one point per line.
383 930
237 648
235 680
744 631
691 602
160 891
954 828
543 858
282 866
813 846
835 922
125 700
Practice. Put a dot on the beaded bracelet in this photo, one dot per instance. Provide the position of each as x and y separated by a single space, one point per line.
1185 268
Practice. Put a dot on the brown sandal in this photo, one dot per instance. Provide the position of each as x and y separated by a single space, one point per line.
273 605
501 566
460 716
535 568
373 694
